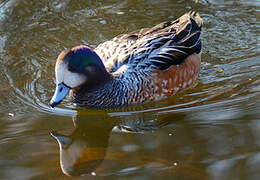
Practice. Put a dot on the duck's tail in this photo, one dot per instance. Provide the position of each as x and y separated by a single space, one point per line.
186 18
196 17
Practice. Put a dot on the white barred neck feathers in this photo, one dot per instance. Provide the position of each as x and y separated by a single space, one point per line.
146 65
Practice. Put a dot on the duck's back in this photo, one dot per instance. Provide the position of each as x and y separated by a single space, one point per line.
148 64
157 48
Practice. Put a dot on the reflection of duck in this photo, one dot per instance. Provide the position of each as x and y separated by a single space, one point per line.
83 150
138 67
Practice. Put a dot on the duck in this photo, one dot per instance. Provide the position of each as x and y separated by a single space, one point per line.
146 65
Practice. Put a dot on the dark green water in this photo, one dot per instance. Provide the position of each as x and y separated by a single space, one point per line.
211 131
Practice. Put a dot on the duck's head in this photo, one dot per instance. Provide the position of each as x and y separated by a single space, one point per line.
75 68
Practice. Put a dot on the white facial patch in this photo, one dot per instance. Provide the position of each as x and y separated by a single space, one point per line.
71 79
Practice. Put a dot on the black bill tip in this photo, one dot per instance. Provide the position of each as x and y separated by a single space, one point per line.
53 104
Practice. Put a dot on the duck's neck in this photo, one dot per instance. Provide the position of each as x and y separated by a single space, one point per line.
94 81
111 93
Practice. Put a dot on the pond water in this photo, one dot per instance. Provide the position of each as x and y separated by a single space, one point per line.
211 131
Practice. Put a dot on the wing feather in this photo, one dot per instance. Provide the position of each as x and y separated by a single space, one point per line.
157 48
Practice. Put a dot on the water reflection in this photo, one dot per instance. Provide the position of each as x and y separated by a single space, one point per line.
213 142
83 150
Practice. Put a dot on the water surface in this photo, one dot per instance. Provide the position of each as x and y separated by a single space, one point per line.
211 131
